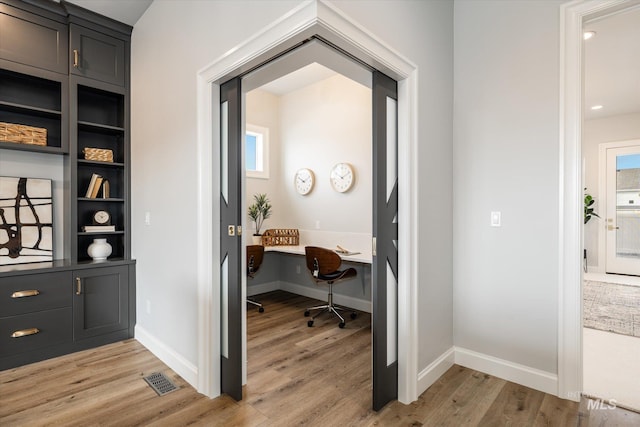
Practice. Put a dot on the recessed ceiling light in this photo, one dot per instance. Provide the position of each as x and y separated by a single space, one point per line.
588 34
597 107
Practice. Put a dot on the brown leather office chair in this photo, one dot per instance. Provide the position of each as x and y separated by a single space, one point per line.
323 265
255 253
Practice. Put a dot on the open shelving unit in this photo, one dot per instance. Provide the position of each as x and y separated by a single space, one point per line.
35 100
98 121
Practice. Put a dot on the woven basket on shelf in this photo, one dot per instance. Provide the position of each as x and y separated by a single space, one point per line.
22 134
281 237
98 154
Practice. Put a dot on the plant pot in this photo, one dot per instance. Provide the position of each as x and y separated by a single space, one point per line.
257 239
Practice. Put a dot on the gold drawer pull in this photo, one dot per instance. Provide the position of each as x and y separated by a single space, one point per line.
25 332
28 293
76 59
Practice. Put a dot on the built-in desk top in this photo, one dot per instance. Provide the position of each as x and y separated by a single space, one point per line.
361 257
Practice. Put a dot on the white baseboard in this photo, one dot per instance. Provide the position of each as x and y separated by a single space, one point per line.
187 370
431 373
262 288
514 372
321 294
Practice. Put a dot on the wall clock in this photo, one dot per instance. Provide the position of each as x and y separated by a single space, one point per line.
101 218
342 177
303 181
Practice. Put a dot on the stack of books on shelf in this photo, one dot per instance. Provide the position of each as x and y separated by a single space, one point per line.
98 228
97 182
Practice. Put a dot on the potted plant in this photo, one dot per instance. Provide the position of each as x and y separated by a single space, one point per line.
588 210
258 212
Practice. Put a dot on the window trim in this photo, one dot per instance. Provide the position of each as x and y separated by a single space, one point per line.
262 151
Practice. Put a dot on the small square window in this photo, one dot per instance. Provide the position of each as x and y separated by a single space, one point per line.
256 151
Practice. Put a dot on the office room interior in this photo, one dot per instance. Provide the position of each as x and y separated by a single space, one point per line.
491 147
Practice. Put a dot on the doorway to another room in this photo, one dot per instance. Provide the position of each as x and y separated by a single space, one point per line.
611 234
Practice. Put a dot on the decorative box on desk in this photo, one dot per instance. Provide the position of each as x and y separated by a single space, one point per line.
281 237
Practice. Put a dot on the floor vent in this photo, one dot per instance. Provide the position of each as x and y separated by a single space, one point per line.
160 383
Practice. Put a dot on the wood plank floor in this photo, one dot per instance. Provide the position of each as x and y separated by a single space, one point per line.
297 375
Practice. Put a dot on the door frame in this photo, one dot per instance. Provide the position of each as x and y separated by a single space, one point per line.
572 17
310 18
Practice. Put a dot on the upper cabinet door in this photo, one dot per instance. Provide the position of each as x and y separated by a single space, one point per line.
32 40
96 55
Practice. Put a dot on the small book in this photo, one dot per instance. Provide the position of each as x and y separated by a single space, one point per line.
98 228
96 187
92 183
106 189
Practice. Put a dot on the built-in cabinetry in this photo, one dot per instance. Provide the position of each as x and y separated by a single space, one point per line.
66 69
64 308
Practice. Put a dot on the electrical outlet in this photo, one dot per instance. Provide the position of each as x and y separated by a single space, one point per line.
298 269
317 225
147 218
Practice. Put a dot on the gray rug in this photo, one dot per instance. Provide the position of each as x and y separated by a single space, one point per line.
611 307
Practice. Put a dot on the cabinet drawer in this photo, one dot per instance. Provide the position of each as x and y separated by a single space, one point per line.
33 40
54 290
33 331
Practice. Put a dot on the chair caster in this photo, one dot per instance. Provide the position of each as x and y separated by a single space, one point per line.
261 310
353 315
306 314
310 323
341 325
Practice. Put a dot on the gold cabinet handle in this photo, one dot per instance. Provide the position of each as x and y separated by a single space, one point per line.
76 58
25 332
611 228
78 286
25 293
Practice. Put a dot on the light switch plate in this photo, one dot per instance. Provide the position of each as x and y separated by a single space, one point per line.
496 219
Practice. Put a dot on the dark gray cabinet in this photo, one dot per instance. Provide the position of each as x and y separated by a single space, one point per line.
34 40
66 308
96 55
66 69
101 301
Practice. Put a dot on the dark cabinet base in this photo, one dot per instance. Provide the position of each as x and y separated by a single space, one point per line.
66 315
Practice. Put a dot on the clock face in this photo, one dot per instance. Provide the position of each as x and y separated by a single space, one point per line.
342 177
304 181
101 217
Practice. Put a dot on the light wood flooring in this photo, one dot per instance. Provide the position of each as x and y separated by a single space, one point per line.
297 375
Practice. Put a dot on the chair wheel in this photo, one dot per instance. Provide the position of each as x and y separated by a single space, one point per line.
261 310
341 325
306 313
310 323
353 315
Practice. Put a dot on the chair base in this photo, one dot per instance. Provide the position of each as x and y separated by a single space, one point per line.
257 304
330 307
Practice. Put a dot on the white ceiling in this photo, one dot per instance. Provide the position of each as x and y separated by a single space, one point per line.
612 65
127 11
298 79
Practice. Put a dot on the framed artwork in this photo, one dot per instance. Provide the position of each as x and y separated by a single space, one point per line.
26 220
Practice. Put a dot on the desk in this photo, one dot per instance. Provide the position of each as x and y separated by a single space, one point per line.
362 257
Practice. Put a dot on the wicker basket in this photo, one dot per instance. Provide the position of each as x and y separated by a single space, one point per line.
22 134
281 237
98 154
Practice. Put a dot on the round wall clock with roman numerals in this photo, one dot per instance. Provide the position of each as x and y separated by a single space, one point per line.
342 177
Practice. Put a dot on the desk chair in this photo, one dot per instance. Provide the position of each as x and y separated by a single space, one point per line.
323 265
255 253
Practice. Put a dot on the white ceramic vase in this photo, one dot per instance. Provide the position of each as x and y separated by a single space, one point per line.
257 239
99 250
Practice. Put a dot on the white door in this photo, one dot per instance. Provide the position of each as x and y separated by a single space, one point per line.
622 216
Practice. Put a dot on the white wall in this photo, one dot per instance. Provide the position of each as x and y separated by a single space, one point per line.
24 164
596 131
320 125
171 42
263 109
506 158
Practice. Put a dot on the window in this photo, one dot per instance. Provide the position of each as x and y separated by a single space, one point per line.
256 151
